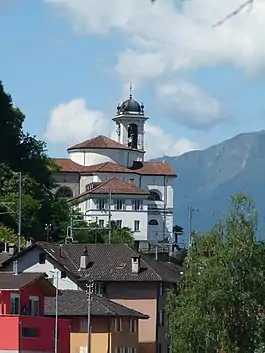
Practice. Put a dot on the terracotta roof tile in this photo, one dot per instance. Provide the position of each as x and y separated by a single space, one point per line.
116 186
107 167
152 168
145 168
98 143
67 165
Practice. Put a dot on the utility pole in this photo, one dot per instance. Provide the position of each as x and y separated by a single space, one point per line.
90 289
191 210
56 276
19 209
110 235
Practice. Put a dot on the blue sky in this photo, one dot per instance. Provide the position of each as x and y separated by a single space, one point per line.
67 63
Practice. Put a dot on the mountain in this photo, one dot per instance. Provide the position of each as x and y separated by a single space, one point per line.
208 178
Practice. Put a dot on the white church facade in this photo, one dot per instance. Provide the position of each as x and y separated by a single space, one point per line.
110 180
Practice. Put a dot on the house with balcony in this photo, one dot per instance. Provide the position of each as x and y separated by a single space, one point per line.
138 193
114 327
119 273
23 325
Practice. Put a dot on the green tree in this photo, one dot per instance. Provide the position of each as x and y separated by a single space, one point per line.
92 234
21 152
7 235
219 304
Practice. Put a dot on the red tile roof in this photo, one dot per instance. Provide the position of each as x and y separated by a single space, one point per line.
153 168
107 167
116 186
145 168
99 142
67 165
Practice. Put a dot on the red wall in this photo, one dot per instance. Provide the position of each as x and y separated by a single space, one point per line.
9 328
46 327
25 293
9 337
10 325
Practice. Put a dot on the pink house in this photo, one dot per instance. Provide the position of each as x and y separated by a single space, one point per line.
23 326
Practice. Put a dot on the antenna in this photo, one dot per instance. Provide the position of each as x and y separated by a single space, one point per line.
130 90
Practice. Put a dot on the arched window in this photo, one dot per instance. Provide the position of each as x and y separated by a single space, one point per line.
153 222
133 136
64 192
154 195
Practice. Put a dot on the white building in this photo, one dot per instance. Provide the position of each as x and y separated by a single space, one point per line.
101 171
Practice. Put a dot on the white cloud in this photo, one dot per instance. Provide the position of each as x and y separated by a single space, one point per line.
187 103
74 122
164 40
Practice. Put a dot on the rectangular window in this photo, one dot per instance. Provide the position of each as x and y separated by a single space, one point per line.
137 205
119 223
118 324
101 204
34 306
29 332
119 204
14 304
133 326
42 258
63 274
101 223
99 288
137 226
161 317
169 350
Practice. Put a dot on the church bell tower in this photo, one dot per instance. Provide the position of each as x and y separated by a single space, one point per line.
130 121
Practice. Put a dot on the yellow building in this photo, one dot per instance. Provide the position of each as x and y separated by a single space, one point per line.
114 327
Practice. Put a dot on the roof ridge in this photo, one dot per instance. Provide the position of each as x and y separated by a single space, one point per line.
103 165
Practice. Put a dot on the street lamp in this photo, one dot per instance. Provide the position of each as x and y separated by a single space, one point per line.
56 276
90 288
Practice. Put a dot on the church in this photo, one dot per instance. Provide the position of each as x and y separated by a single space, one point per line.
110 181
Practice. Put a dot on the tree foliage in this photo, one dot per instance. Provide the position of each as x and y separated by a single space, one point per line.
21 152
92 234
219 306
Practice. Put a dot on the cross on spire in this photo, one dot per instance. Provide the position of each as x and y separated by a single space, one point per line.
130 90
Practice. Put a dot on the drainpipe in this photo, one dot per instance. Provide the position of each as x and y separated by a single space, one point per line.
109 326
165 206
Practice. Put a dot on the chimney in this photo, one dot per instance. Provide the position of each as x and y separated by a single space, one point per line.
84 259
131 181
60 250
136 264
11 249
15 267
